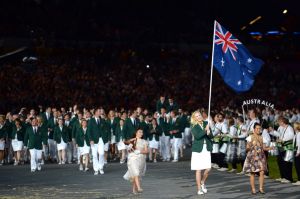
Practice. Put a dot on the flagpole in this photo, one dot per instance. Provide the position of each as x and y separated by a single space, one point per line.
211 71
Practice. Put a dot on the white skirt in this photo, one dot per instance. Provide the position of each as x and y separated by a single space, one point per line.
17 145
2 145
62 145
153 144
113 139
85 149
121 146
202 160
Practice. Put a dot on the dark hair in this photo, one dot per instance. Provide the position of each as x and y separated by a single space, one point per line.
283 119
240 118
264 124
134 135
256 124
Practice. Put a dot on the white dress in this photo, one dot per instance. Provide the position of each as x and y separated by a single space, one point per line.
121 145
62 145
136 162
153 144
85 149
202 160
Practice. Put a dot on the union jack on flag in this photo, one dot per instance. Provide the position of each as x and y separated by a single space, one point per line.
233 61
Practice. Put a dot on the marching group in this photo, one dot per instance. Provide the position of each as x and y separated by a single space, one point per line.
86 136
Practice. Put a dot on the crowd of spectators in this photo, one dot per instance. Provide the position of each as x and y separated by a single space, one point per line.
122 77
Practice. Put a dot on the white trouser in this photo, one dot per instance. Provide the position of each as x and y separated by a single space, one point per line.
165 147
74 150
45 151
35 158
98 155
176 145
69 152
52 148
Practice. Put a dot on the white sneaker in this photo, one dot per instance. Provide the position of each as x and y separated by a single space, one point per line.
63 162
174 160
105 162
42 162
223 169
232 170
86 169
155 161
285 181
59 163
80 167
279 179
39 167
32 170
203 188
96 173
101 171
122 161
241 173
296 183
16 163
200 192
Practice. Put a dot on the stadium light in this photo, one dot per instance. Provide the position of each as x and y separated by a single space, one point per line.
285 11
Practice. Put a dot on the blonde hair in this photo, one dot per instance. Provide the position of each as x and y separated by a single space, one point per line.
193 118
297 126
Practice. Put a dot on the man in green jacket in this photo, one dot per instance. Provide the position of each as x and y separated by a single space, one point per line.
175 130
33 140
96 129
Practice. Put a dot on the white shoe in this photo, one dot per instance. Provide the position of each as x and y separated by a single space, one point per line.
96 173
122 161
203 188
16 163
80 167
174 160
59 163
101 171
241 173
279 179
232 170
42 162
223 169
39 167
155 161
86 169
32 170
285 181
105 162
63 162
296 183
200 192
248 174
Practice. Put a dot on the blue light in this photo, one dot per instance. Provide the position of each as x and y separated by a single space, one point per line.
255 33
274 32
296 33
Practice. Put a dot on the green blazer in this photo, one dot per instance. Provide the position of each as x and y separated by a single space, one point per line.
44 131
160 105
69 130
34 140
175 126
20 133
130 128
96 131
199 137
173 107
120 133
164 126
156 132
81 137
58 134
75 124
113 125
3 132
8 126
52 126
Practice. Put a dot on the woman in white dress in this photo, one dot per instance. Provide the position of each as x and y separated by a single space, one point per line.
120 137
17 140
83 145
154 133
137 149
61 137
201 150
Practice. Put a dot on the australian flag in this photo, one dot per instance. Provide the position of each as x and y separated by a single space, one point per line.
233 61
